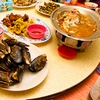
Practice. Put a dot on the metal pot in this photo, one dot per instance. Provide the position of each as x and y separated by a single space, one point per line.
74 42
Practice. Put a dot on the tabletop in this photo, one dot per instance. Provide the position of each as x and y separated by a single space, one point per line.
63 73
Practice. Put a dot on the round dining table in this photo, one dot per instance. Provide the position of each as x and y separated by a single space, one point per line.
63 73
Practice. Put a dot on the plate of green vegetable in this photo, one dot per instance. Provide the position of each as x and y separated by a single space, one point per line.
46 8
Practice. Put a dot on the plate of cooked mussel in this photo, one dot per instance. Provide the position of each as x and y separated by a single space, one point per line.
46 8
22 65
15 26
25 3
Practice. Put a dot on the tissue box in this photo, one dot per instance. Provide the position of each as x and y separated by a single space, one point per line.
5 5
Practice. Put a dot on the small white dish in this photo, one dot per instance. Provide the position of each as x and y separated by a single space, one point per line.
97 10
37 7
91 5
32 5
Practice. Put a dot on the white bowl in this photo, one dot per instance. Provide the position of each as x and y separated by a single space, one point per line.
97 10
91 4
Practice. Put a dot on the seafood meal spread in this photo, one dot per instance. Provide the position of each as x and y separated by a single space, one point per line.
17 24
23 2
15 58
76 24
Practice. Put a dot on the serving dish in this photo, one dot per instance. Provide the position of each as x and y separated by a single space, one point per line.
97 10
1 32
30 79
27 39
37 7
91 5
32 5
77 42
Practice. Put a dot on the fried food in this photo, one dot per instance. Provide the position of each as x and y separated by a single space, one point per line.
17 24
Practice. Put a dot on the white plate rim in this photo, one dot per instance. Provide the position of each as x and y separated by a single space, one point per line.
38 77
41 4
30 40
32 5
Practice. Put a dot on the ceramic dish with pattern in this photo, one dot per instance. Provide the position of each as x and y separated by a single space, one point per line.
32 5
28 39
30 79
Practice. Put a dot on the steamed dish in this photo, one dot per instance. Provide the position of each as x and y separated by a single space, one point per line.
76 24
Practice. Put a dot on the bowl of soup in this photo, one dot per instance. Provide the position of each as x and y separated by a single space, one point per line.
76 26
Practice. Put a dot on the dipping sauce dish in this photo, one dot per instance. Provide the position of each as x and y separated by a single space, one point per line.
36 30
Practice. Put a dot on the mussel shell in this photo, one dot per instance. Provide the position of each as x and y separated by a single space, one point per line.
2 55
3 67
4 79
9 62
26 56
16 54
38 63
4 84
16 75
12 42
4 48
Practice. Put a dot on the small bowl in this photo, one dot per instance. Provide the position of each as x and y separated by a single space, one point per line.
1 32
97 10
91 5
36 30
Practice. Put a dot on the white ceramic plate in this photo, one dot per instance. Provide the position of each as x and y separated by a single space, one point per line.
37 7
31 40
32 5
30 79
97 10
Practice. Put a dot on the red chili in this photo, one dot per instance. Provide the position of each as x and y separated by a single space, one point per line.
7 73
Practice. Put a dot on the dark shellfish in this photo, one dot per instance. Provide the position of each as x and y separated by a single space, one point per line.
12 42
38 63
4 79
9 62
14 58
2 55
16 54
17 74
26 56
3 67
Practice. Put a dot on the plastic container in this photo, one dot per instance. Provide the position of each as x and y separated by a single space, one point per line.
36 30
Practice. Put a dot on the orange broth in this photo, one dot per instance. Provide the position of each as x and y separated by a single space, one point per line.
84 29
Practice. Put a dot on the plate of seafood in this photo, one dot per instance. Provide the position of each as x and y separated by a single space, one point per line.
25 3
22 66
15 26
46 8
